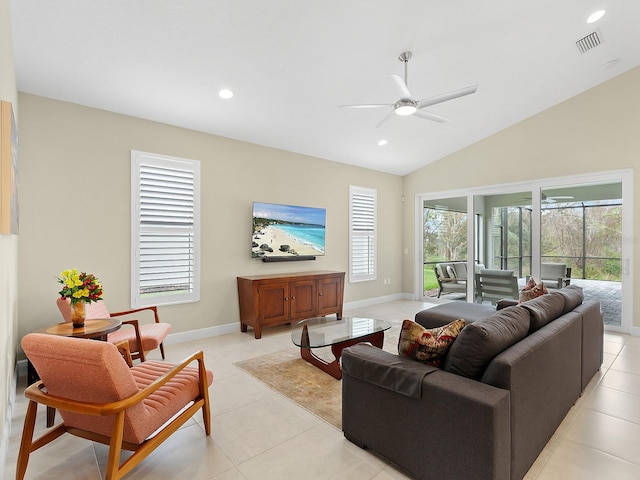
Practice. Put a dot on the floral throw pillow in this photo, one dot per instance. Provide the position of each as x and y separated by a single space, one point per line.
532 290
428 345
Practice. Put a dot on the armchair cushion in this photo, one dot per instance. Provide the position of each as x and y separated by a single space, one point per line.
451 273
152 334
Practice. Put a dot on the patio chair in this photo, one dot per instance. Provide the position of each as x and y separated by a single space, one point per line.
103 400
555 275
149 335
451 277
494 285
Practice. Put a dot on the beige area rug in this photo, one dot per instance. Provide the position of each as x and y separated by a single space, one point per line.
301 382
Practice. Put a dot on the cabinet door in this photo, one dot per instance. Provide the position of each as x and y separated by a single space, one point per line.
304 299
330 290
274 302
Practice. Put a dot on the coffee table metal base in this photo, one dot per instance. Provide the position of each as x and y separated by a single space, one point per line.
333 368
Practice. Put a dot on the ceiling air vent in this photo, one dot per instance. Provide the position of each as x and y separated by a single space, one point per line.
589 42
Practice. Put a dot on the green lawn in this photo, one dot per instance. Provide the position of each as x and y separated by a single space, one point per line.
430 281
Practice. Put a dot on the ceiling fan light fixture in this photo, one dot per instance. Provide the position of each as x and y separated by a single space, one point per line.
406 110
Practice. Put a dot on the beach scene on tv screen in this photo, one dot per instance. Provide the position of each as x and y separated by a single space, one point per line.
287 230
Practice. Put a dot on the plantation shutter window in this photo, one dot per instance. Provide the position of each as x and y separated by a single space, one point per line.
362 233
165 226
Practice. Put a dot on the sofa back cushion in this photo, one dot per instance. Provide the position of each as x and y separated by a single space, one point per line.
573 296
544 309
482 340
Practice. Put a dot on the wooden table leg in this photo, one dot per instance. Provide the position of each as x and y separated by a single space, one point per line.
333 368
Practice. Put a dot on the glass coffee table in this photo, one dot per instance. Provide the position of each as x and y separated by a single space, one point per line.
338 334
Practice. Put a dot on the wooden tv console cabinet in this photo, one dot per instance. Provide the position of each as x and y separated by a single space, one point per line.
267 300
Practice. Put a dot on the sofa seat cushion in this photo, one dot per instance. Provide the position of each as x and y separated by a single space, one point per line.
544 309
428 346
385 370
482 340
448 312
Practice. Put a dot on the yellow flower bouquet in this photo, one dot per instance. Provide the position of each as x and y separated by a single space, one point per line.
80 287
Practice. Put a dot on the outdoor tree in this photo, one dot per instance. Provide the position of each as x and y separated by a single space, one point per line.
445 235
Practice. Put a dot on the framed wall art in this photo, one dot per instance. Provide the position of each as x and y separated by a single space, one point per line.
8 170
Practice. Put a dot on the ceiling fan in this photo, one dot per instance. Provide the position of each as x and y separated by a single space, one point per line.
406 105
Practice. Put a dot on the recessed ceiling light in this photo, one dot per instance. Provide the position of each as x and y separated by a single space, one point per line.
595 16
382 142
225 93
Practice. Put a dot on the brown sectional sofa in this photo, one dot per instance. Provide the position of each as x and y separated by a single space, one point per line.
506 384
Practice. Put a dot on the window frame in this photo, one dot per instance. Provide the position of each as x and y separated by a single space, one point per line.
139 159
355 232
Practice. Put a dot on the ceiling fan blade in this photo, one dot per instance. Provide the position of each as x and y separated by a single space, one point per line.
402 86
386 118
431 116
445 97
372 105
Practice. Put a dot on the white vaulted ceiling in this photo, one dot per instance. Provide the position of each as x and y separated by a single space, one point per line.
290 63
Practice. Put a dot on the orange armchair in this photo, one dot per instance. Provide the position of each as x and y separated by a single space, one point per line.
103 400
149 335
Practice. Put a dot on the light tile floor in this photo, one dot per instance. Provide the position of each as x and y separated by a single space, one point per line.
259 434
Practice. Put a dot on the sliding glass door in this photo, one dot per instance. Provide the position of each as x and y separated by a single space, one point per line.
444 242
560 232
504 232
581 229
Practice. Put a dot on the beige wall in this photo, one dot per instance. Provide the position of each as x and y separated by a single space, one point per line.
8 253
593 132
75 209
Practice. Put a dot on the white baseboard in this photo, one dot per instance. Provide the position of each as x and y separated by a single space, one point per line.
191 335
374 301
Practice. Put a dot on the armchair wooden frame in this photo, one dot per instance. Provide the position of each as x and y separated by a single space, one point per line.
140 353
37 393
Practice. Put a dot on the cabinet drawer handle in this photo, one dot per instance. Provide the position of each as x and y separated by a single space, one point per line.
293 298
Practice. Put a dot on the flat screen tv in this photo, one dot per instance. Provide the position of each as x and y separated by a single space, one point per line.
287 232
